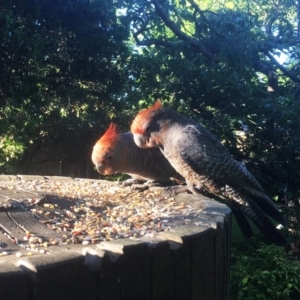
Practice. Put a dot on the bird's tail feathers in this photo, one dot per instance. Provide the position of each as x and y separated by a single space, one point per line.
242 222
258 217
271 211
268 206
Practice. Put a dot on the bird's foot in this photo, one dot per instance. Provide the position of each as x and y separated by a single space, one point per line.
194 190
150 183
172 191
131 181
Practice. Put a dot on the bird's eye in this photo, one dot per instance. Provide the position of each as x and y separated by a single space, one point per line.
110 157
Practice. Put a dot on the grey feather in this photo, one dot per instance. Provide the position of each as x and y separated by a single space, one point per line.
205 163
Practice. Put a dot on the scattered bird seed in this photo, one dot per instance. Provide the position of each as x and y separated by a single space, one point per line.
94 211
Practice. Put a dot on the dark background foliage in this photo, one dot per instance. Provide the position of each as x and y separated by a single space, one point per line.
68 68
61 72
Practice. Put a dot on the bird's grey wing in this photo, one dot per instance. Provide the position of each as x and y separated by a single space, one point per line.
205 154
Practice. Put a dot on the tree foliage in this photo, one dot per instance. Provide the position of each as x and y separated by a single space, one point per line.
70 67
261 271
217 61
61 72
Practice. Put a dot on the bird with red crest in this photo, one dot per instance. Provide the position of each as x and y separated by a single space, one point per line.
207 166
116 152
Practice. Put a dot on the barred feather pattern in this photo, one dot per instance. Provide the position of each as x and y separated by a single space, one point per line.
207 166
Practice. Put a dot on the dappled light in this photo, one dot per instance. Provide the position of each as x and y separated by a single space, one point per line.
70 68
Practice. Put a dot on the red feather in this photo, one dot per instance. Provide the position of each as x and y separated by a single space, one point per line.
136 126
110 136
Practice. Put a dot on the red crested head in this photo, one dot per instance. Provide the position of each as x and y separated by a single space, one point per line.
144 116
109 137
103 150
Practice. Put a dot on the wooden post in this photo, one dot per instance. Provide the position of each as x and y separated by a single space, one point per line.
189 262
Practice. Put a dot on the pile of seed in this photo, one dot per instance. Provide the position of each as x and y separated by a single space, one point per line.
93 211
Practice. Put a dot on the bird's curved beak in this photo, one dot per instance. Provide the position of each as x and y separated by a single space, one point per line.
101 168
102 165
141 140
104 168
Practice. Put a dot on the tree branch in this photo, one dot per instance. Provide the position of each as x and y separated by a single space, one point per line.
282 68
264 68
161 13
156 42
257 64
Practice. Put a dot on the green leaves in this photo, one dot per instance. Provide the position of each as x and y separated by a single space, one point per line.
226 89
69 69
9 149
264 272
60 61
